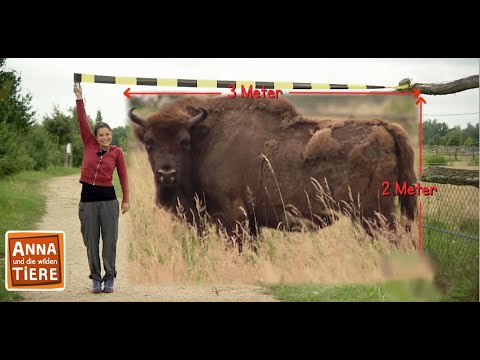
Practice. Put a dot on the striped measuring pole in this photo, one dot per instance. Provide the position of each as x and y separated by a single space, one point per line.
189 83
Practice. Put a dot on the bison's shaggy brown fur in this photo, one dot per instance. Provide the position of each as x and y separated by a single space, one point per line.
322 145
261 161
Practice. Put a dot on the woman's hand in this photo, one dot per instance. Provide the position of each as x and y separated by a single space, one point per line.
124 207
77 90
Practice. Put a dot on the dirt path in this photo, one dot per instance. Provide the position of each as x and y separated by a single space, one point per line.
62 214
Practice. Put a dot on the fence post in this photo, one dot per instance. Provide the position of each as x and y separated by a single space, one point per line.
68 155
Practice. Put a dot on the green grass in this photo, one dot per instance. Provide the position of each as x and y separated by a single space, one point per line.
453 209
465 226
456 264
391 291
5 295
432 159
22 205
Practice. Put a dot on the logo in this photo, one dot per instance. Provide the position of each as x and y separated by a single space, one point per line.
35 260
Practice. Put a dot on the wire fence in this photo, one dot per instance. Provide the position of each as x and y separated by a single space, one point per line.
451 226
453 152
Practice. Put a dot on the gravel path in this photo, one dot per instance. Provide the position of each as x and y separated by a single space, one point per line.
62 214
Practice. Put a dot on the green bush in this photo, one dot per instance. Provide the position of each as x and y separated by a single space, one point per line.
434 159
14 156
43 149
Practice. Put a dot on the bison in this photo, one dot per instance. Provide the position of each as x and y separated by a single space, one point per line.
261 163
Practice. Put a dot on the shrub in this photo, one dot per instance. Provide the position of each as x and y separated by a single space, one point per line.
434 159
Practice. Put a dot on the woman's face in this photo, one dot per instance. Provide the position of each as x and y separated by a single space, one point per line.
104 137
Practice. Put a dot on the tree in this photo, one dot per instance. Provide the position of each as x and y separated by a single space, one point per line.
44 148
470 142
15 109
471 132
16 119
59 125
433 132
120 136
99 117
454 137
66 130
14 156
77 143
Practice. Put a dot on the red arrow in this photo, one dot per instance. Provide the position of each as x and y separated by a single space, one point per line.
129 93
420 135
416 92
420 99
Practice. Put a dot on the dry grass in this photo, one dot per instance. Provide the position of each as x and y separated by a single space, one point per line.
164 250
457 207
451 199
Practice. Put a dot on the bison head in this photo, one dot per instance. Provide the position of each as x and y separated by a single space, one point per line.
167 139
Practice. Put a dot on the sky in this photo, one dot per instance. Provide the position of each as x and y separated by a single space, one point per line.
50 80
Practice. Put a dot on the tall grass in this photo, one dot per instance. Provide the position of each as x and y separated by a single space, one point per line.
164 250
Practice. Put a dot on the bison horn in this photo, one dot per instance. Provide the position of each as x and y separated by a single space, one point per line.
136 119
197 119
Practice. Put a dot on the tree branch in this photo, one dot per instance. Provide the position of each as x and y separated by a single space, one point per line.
451 87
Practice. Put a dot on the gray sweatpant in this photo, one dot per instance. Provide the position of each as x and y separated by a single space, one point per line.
100 217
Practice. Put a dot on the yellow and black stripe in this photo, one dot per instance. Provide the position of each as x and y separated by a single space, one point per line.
122 80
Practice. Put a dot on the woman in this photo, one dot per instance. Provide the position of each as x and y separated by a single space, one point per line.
98 209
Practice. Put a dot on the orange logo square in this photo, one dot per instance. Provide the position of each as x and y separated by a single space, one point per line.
35 260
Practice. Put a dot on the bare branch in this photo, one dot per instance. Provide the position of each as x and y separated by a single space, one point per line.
470 82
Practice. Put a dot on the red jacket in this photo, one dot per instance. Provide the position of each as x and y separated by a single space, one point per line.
98 170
